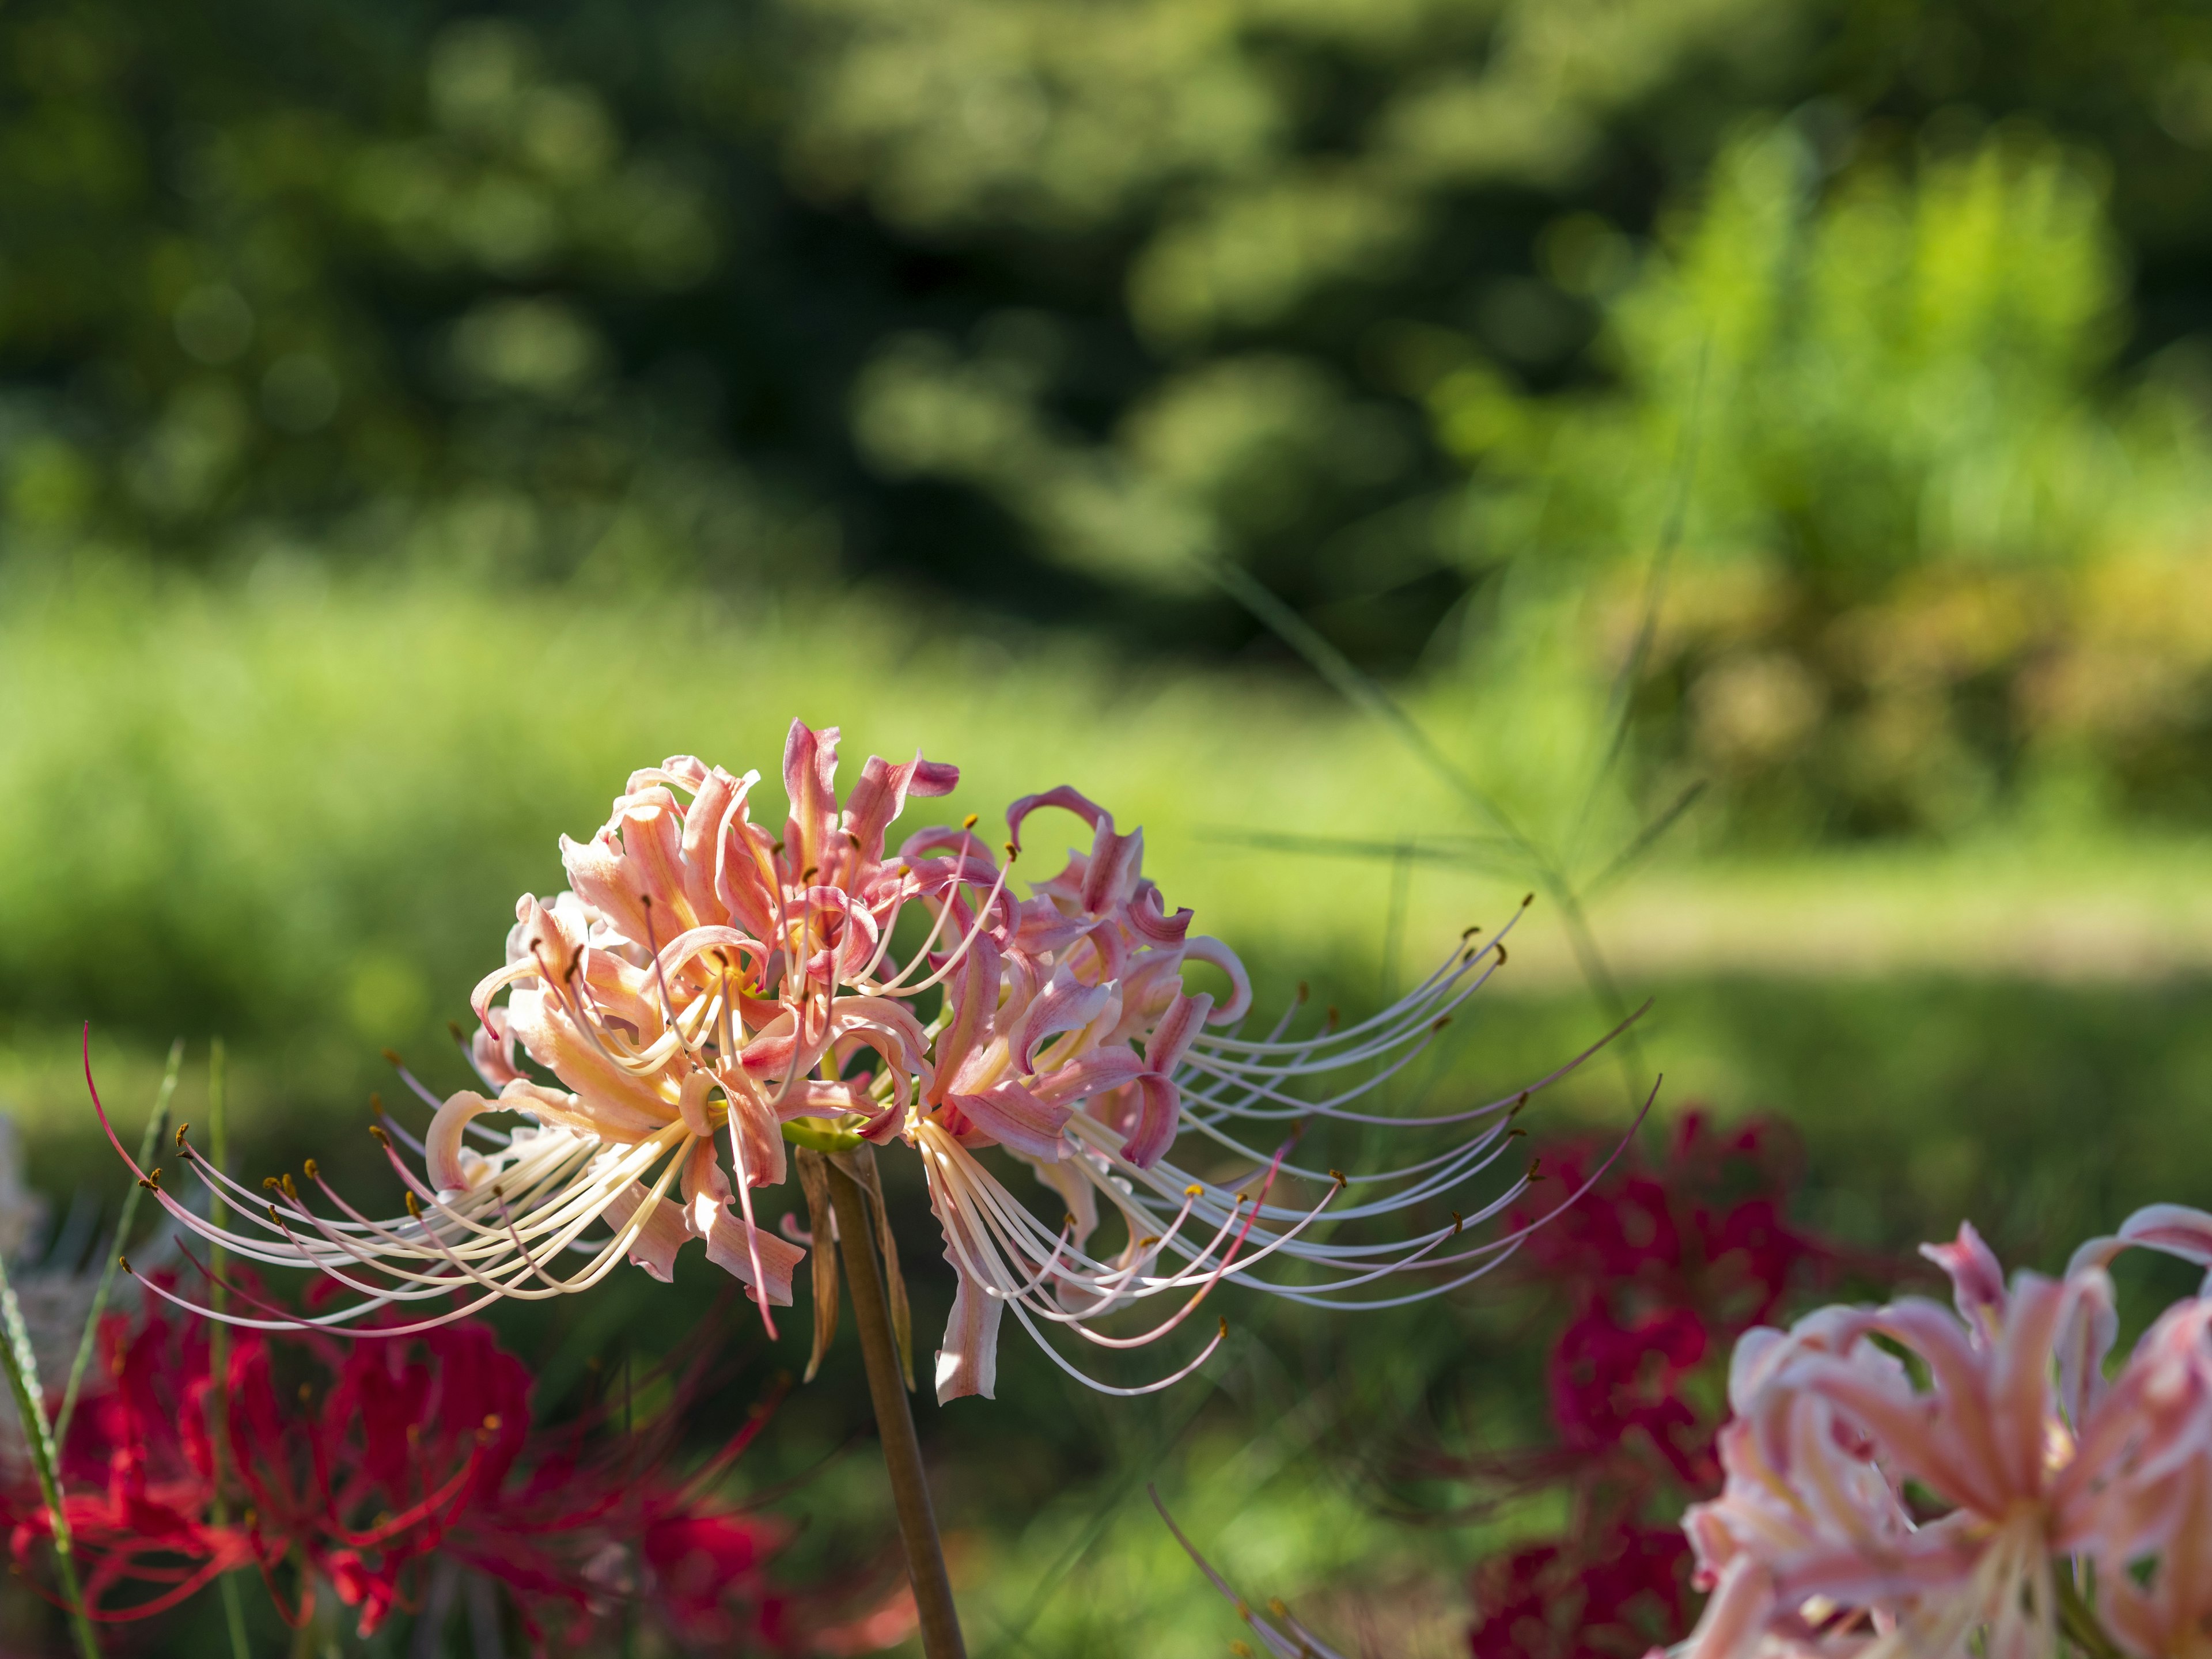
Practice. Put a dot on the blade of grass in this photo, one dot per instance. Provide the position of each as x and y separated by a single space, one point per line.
1362 690
147 1144
1645 839
1655 591
23 1368
234 1610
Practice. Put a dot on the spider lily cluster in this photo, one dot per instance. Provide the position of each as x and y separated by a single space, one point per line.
404 1475
1918 1479
705 993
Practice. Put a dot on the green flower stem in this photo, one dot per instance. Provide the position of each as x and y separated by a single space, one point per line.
234 1610
925 1556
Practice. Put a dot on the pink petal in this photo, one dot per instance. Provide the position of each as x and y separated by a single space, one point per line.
1017 1120
1976 1280
1159 1107
657 1241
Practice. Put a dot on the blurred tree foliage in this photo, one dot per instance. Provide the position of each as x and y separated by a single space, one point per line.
1037 306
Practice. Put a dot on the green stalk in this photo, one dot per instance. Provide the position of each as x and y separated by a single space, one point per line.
924 1555
23 1368
234 1610
148 1143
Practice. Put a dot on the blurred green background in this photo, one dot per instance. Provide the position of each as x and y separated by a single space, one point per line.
1736 469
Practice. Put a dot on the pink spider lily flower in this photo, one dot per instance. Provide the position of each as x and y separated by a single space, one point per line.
705 992
2007 1421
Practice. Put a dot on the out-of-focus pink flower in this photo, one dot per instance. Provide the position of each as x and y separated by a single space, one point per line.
2004 1422
706 990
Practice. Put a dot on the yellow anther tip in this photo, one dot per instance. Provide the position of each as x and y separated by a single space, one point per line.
181 1127
314 1170
1193 1191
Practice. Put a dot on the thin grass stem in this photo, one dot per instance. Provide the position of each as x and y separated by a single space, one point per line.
23 1368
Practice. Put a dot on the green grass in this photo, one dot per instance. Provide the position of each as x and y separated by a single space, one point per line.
297 811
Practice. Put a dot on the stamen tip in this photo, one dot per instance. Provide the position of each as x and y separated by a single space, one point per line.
971 821
1527 899
392 1058
314 1171
123 1262
1193 1191
181 1129
414 1207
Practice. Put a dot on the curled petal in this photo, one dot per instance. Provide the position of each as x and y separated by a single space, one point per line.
451 1166
1158 1107
1082 805
1213 951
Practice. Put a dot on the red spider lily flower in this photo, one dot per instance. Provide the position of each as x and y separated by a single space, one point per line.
1662 1267
389 1460
1614 1595
706 990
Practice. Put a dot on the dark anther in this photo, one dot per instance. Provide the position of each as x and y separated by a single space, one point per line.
181 1127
